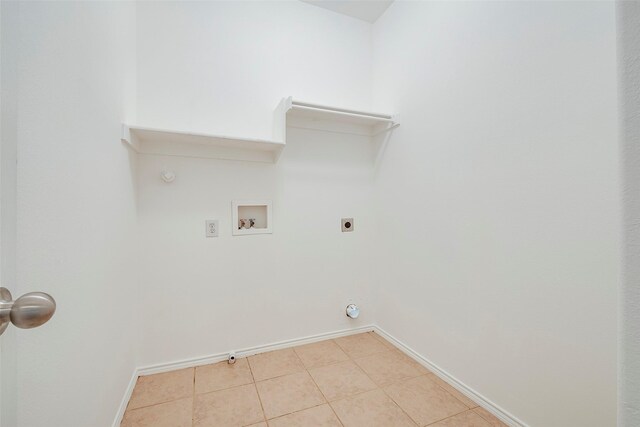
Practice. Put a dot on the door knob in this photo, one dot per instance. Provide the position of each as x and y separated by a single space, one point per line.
29 311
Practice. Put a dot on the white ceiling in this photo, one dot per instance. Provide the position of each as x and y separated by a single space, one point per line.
367 10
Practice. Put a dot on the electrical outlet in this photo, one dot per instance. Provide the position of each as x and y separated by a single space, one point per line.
212 228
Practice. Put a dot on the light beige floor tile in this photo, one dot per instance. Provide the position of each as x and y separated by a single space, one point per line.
160 388
341 380
287 394
412 362
424 400
275 364
360 345
238 406
458 395
347 371
465 419
489 417
371 409
385 368
171 414
320 354
219 376
318 416
383 341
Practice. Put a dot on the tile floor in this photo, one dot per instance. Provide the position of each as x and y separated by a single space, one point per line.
355 381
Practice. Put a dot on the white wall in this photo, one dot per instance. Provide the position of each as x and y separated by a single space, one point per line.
629 87
8 185
493 218
498 199
76 210
222 67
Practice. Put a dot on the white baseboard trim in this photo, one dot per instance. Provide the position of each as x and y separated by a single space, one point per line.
482 401
125 399
205 360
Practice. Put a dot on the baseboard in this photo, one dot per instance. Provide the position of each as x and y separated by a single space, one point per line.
482 401
125 399
205 360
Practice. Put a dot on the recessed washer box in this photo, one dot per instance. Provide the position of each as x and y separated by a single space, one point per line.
251 217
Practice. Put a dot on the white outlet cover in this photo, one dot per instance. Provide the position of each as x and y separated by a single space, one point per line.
211 228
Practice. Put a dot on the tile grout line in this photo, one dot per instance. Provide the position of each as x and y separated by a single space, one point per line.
255 385
399 407
378 387
388 348
354 361
304 369
277 376
194 393
451 416
484 418
128 409
437 385
355 394
367 355
193 402
297 411
155 404
325 397
449 393
460 400
335 413
500 414
327 364
224 389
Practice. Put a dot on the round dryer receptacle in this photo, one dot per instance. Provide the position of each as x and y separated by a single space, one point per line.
353 311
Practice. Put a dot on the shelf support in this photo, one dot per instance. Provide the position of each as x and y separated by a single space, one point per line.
392 127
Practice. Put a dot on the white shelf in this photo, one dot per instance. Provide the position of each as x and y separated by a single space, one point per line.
322 117
323 112
149 140
289 113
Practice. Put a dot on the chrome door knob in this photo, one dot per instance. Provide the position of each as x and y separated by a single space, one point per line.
29 311
32 310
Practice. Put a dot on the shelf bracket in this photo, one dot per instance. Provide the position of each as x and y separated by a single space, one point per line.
390 128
